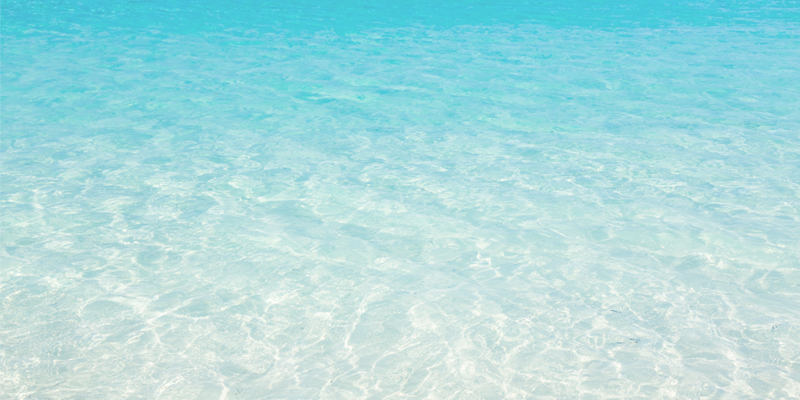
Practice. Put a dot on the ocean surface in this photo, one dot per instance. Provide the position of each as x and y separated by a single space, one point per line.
400 199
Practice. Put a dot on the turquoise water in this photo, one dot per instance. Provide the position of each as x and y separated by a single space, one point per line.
577 200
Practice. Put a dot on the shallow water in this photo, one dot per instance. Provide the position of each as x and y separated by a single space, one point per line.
397 200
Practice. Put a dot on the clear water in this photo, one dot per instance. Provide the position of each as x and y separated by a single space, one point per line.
341 200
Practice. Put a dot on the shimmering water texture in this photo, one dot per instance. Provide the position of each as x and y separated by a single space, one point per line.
424 206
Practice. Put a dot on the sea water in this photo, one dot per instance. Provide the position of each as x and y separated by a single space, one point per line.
400 199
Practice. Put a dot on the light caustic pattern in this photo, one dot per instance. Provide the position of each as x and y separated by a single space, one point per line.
507 211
